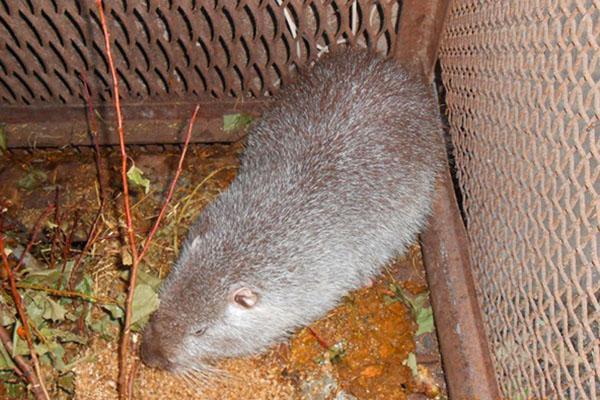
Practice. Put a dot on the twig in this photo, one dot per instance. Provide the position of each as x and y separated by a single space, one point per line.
94 232
123 351
125 339
173 184
94 130
56 228
36 231
23 369
123 377
40 389
67 293
319 339
120 130
134 367
93 235
68 243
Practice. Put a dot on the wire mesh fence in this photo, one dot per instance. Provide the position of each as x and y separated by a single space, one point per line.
523 97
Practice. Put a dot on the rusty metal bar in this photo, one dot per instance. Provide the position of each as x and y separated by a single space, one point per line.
463 343
421 25
56 126
174 110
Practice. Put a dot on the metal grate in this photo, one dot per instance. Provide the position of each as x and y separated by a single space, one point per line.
170 50
523 96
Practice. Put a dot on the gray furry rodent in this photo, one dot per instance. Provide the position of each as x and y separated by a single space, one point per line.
335 180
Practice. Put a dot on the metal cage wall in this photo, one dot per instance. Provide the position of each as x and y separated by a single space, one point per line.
227 55
523 97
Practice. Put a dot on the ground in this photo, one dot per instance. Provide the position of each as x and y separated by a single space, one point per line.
377 344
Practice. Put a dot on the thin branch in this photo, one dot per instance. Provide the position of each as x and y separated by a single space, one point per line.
121 132
123 351
69 242
123 379
132 372
125 339
319 339
23 369
24 320
56 229
94 232
36 231
124 385
67 293
94 130
173 184
92 237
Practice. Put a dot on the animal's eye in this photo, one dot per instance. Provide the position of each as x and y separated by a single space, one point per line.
200 331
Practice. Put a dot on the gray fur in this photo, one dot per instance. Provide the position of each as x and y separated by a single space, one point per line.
335 181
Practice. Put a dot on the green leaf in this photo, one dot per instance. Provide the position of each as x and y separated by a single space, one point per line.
13 390
424 320
44 277
62 336
67 382
145 302
411 362
54 311
234 122
85 286
136 178
36 308
116 312
336 352
423 315
143 277
5 359
3 145
56 353
71 317
6 317
148 279
33 179
103 327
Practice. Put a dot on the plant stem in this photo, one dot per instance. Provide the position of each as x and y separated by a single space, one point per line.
24 320
23 369
123 379
36 231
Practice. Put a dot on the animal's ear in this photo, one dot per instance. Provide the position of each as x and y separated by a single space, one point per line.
244 297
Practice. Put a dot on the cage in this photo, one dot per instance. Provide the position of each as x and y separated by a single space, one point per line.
511 251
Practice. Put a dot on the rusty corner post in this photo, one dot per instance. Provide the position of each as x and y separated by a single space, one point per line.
463 343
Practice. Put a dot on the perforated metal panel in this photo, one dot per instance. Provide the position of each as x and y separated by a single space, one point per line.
169 50
523 96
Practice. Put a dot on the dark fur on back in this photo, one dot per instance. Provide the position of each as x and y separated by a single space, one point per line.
335 180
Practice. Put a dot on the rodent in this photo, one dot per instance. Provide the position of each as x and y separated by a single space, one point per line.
336 179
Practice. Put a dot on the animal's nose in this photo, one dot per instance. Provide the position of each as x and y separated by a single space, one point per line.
153 354
155 357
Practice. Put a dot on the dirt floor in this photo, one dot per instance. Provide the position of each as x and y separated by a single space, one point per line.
377 344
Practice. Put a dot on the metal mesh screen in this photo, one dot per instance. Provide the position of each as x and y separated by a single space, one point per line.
523 95
167 50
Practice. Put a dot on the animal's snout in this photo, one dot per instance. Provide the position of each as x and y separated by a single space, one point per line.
154 353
